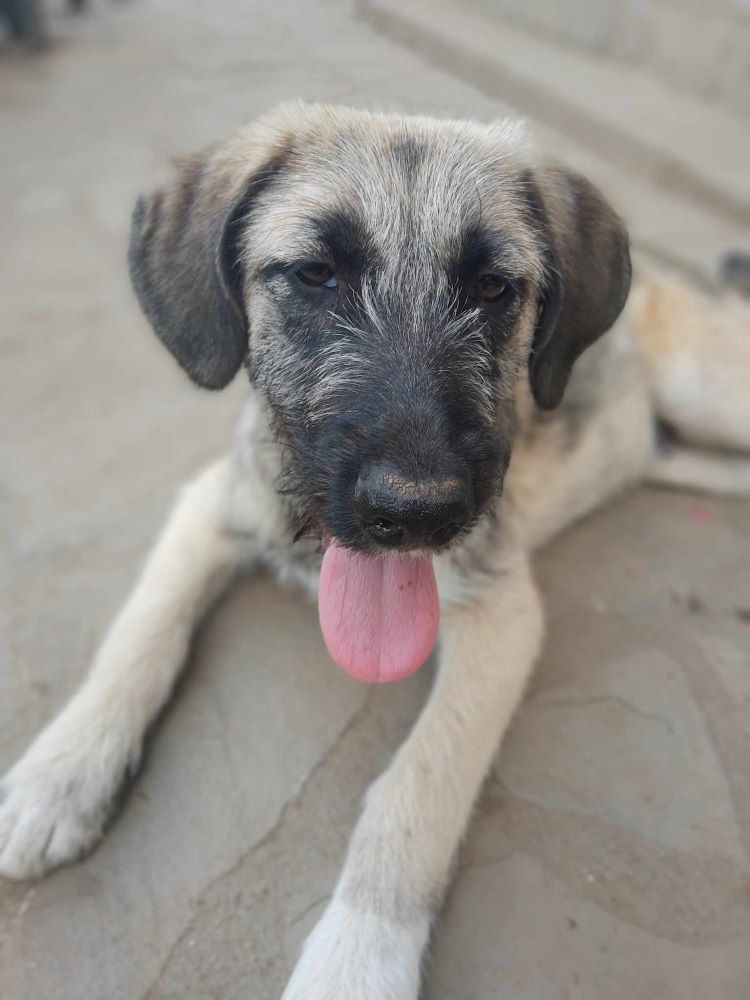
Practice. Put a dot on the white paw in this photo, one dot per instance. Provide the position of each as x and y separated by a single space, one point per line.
358 956
55 802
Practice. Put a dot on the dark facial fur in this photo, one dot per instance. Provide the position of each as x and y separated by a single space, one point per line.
362 377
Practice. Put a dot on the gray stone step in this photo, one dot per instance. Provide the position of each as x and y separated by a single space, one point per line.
675 142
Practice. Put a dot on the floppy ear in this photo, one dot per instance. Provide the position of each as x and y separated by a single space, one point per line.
184 257
588 275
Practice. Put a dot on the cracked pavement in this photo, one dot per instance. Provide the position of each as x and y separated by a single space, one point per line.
608 858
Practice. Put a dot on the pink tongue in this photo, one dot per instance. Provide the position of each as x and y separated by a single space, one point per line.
379 616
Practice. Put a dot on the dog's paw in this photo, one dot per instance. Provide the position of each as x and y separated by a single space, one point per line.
358 956
53 805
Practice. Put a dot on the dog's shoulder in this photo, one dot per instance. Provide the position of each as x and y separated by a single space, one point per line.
568 460
609 369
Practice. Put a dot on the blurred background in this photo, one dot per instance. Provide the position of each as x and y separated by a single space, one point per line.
609 854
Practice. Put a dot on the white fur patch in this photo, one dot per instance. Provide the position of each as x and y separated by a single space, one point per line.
352 955
55 801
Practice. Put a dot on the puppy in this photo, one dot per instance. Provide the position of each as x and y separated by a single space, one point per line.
409 299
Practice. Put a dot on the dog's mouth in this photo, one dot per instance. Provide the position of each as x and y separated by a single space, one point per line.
379 614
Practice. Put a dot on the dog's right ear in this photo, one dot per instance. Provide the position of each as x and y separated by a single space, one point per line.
184 257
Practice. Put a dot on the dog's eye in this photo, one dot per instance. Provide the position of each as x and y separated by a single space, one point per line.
317 275
490 287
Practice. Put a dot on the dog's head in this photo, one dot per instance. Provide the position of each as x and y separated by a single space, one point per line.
386 281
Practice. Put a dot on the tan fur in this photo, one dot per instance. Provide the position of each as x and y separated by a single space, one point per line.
697 354
674 356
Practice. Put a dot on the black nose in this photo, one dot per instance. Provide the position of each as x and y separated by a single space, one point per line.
395 511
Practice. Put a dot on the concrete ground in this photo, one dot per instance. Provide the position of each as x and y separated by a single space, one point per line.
608 858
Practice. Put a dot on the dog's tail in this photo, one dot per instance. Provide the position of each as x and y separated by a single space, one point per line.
696 347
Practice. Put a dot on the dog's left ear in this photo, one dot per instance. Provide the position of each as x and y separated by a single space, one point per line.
184 255
588 275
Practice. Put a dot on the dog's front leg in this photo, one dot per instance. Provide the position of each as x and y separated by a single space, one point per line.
369 942
55 801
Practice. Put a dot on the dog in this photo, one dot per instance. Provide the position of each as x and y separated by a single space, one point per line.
420 306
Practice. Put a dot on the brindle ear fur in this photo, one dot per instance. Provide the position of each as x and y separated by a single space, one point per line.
588 275
183 258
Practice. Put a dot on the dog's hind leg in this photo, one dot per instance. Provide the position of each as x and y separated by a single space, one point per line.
681 467
697 353
55 802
